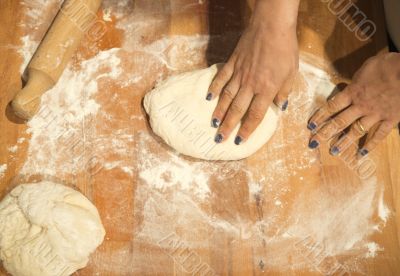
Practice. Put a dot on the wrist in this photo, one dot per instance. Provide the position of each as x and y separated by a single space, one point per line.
280 15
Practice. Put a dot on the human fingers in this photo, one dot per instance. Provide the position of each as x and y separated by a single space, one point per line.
256 113
332 106
235 113
335 126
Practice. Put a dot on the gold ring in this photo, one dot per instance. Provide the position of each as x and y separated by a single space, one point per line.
361 129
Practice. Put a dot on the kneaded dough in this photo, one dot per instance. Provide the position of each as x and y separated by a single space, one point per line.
181 116
47 229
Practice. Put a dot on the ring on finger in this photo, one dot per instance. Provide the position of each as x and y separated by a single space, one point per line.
361 129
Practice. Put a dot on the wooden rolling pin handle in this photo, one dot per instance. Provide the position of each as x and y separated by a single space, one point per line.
27 102
54 53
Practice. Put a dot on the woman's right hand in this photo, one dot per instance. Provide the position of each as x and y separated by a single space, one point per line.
260 71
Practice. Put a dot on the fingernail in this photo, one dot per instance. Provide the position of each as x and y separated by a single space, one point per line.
363 152
216 123
285 106
209 97
218 139
313 144
311 126
334 151
238 140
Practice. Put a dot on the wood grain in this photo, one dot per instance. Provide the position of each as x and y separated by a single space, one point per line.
126 200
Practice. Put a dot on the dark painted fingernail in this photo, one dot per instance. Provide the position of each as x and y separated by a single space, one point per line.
363 152
313 144
216 123
311 126
238 140
285 106
218 139
209 97
334 151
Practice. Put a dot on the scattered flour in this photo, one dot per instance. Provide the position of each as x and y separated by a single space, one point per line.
3 169
13 149
176 45
176 52
27 50
107 15
332 222
176 195
63 118
127 170
172 173
255 187
383 210
317 216
68 109
373 249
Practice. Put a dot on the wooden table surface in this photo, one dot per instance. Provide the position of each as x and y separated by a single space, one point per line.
284 211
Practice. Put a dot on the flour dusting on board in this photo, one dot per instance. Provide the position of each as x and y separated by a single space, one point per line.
383 210
318 219
3 169
174 174
177 52
281 216
63 112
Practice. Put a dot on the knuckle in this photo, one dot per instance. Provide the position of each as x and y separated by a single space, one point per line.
358 109
332 106
224 73
382 131
338 123
331 128
370 61
325 132
355 90
237 108
220 80
216 85
322 114
388 125
228 94
345 143
256 114
266 87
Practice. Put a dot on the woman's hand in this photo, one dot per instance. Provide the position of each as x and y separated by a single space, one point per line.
261 70
373 98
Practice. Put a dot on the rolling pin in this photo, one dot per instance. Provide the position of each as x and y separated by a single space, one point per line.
75 19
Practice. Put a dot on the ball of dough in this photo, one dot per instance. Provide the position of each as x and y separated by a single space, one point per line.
47 229
180 114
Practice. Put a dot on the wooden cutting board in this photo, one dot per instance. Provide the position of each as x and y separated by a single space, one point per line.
284 211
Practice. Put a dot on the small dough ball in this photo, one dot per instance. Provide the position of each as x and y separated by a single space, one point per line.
180 114
47 229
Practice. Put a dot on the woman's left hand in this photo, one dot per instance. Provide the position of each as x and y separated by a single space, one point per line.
373 98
